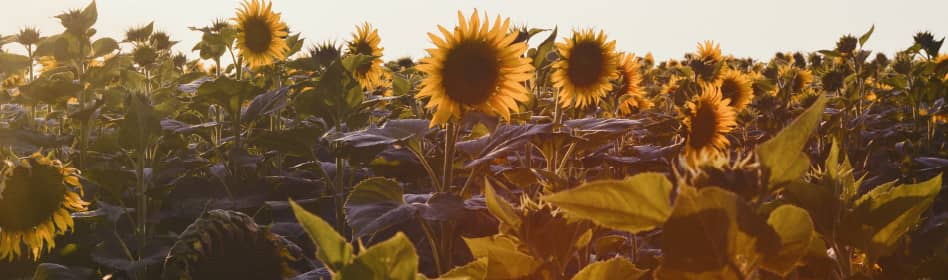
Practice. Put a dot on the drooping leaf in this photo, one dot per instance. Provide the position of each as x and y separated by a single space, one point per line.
331 248
141 125
795 228
52 271
392 259
13 63
635 204
504 261
614 268
376 204
265 104
503 140
782 156
713 233
103 46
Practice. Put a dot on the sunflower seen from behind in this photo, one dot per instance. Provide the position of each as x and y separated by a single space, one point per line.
707 119
707 61
478 67
260 34
629 88
736 87
365 41
37 195
586 68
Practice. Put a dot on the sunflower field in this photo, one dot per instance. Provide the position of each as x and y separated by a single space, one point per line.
506 152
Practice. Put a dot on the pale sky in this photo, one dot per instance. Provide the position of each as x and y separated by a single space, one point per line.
745 28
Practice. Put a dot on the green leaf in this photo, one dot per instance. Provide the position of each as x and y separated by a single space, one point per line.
615 268
635 204
141 125
392 259
504 261
376 204
52 271
544 48
865 37
711 233
782 155
474 270
795 228
90 14
499 207
885 214
331 248
353 62
103 47
226 92
13 63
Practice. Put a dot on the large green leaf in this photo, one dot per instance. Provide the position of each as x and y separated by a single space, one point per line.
392 259
500 208
13 63
783 156
635 204
713 233
795 228
548 45
226 92
376 204
884 215
103 47
141 125
504 261
474 270
331 248
615 268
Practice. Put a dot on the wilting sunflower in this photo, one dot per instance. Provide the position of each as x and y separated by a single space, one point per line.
224 244
628 87
475 67
736 87
260 34
37 195
707 119
586 68
365 41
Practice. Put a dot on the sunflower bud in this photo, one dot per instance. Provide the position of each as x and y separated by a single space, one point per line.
832 80
28 36
144 55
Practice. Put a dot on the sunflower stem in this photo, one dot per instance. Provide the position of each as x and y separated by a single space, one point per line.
451 139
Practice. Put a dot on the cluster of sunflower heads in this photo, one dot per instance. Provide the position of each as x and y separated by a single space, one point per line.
37 196
225 244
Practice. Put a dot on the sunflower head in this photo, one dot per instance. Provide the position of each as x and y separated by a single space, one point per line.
928 43
628 88
740 174
323 54
37 195
138 34
832 80
707 61
846 45
225 244
586 68
144 55
707 119
736 87
28 36
161 41
474 67
801 78
260 34
365 41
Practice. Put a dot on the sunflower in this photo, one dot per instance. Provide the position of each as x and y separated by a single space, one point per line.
365 41
475 67
586 69
671 86
736 87
799 78
260 34
707 61
224 244
628 87
37 195
707 119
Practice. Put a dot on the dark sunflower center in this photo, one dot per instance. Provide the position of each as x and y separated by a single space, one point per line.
471 72
239 256
258 35
31 197
731 89
703 126
586 63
